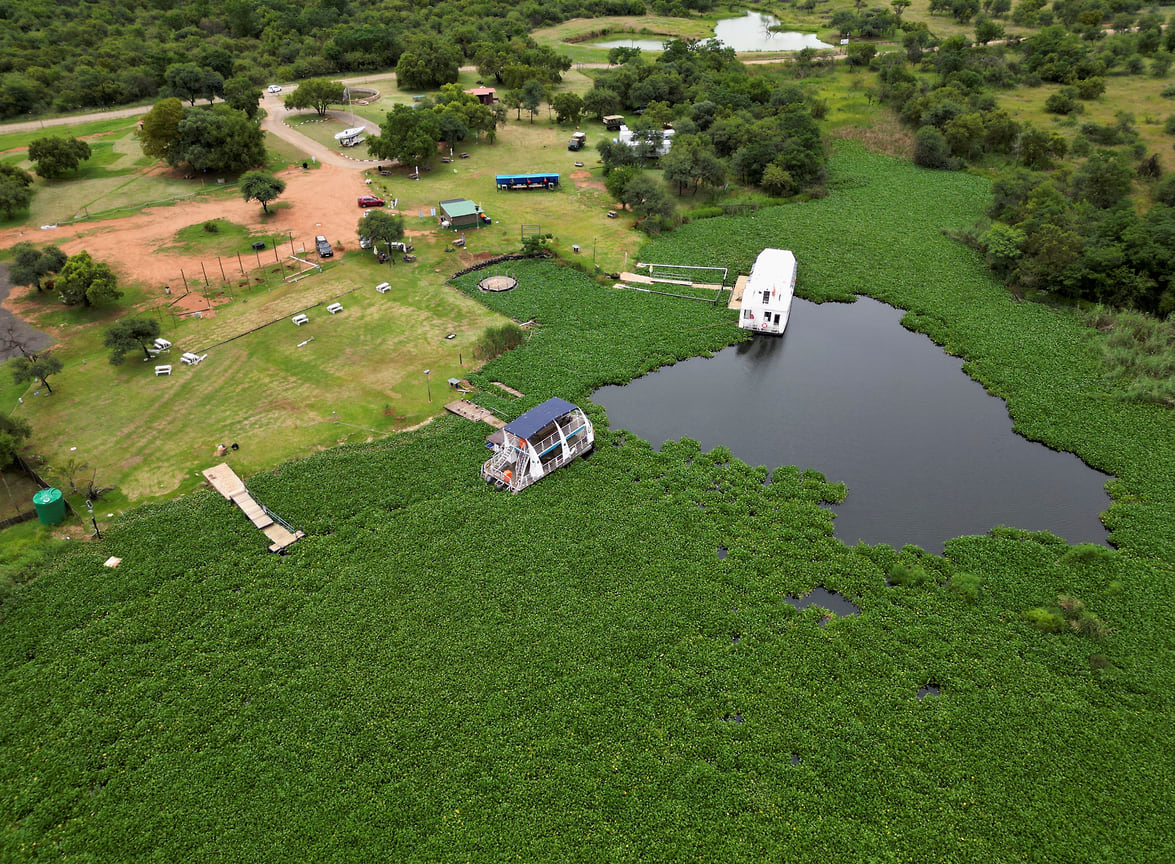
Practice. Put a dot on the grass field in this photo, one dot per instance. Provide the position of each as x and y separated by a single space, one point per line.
361 377
441 672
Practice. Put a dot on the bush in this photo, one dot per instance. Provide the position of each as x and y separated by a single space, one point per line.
211 227
909 576
965 586
498 340
703 213
1044 620
931 151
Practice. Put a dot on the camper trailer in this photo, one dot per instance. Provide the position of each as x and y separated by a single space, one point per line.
544 438
767 296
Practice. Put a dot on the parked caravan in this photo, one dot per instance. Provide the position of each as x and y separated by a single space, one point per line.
767 297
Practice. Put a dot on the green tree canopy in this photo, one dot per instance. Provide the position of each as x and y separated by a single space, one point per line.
86 281
15 189
381 227
14 431
408 135
262 187
317 93
31 265
129 334
243 94
568 108
159 127
39 367
217 138
54 157
428 62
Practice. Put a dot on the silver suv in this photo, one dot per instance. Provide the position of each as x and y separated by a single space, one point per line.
324 250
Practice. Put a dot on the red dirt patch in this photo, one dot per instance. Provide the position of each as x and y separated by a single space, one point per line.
315 202
582 180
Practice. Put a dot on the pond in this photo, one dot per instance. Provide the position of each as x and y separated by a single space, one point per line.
926 452
751 32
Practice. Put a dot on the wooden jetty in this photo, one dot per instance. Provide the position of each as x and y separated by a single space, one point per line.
473 412
225 481
736 296
509 390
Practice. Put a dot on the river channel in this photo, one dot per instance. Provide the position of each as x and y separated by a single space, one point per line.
926 452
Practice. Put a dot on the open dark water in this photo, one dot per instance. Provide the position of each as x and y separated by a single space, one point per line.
927 454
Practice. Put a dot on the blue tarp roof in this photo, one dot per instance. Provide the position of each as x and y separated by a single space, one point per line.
538 417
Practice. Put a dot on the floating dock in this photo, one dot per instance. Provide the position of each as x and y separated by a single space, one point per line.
225 481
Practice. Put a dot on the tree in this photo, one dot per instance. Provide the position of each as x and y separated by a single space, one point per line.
218 138
532 97
14 431
159 128
568 108
860 54
427 63
899 6
408 135
382 228
243 94
645 196
987 30
600 102
617 180
930 149
777 181
127 334
31 265
86 281
1103 179
186 81
317 93
40 366
15 191
53 158
259 186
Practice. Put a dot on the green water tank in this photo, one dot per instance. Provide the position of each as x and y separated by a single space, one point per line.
50 506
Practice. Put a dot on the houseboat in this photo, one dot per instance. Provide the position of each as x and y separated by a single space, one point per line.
768 294
546 437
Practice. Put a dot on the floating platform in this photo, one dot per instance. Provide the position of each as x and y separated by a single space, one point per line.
225 481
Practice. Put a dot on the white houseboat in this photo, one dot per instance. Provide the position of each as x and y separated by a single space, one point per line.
768 294
546 437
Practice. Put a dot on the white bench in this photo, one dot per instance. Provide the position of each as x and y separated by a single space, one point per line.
162 344
334 307
301 319
162 370
192 359
383 287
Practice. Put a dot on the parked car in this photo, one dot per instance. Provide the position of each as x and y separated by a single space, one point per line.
273 88
370 201
324 250
364 242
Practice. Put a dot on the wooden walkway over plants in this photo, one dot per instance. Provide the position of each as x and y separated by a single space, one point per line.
225 481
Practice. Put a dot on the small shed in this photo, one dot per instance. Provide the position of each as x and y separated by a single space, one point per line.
485 95
459 213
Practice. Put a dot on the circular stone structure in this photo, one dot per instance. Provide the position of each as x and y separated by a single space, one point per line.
497 283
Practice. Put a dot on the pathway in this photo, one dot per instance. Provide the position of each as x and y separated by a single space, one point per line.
225 481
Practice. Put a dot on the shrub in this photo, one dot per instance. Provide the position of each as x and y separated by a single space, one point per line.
1044 620
1088 553
965 586
211 227
498 340
909 576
